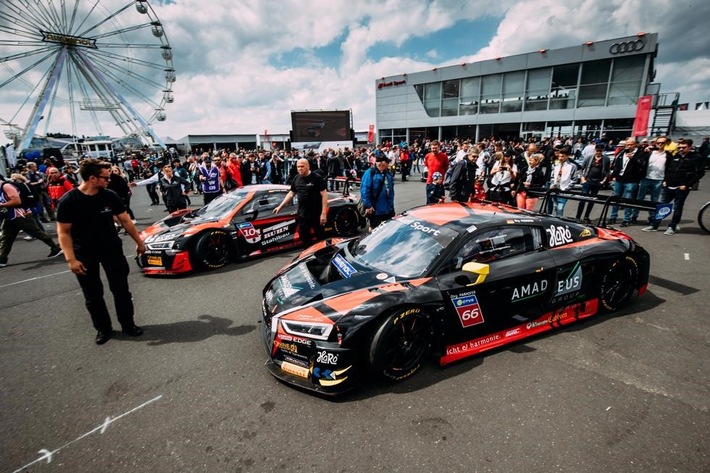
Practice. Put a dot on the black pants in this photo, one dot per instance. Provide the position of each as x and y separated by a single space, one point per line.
10 229
210 196
376 220
116 269
310 230
154 198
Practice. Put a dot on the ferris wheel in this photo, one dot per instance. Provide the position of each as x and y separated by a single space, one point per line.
78 66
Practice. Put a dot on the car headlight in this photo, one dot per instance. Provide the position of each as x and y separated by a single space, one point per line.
314 330
163 245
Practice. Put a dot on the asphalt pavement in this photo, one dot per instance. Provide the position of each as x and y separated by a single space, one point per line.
624 392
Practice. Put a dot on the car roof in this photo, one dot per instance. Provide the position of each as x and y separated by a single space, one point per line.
460 216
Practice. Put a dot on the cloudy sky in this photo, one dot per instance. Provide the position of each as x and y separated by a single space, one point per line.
242 66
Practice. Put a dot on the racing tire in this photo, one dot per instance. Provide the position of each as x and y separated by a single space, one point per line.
213 250
400 345
346 221
618 283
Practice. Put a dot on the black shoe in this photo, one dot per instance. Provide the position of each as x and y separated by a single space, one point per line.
55 252
612 221
625 223
102 337
633 221
134 331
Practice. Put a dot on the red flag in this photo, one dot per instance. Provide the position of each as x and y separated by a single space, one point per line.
643 110
371 134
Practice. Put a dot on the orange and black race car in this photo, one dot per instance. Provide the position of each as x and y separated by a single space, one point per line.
235 226
450 279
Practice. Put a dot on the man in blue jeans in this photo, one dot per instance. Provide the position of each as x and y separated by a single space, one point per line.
654 169
682 172
626 174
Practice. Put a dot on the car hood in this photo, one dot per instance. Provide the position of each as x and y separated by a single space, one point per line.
327 274
177 223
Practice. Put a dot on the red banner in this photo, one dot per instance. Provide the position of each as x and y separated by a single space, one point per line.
643 110
371 134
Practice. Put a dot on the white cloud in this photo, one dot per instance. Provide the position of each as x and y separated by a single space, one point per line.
231 56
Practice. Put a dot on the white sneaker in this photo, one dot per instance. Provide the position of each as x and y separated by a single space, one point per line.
670 231
649 229
29 238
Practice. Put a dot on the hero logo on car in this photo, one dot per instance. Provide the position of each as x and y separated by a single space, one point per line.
327 358
559 236
468 309
250 234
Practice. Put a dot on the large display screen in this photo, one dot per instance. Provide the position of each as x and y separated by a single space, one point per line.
321 126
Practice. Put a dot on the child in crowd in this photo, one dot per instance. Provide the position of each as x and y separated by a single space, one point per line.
435 192
479 192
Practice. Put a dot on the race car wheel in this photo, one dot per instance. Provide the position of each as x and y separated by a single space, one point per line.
401 344
346 221
213 250
618 283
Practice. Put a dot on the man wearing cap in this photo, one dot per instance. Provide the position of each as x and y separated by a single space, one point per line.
377 192
435 192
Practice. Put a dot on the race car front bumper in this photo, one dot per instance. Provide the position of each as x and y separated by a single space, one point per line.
315 365
164 262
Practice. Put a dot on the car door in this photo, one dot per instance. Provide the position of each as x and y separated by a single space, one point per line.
260 230
512 284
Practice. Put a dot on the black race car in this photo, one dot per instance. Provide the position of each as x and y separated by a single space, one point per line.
453 279
236 225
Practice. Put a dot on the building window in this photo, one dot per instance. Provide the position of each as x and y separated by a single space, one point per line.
450 98
564 86
432 99
468 101
538 89
626 79
490 93
594 83
513 87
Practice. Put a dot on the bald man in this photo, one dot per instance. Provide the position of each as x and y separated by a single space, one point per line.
312 202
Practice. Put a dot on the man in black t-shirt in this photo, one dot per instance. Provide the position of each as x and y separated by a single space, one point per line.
312 202
87 235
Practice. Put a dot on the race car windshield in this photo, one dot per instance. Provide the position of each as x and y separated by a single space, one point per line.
221 206
404 247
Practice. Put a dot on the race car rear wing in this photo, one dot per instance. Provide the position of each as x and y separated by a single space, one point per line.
548 196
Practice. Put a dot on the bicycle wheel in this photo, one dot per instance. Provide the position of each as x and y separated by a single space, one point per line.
704 217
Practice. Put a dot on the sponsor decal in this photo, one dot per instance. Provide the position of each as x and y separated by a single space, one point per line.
559 236
512 333
468 309
471 229
302 341
382 276
250 234
300 361
327 358
567 288
627 47
307 276
417 225
287 347
287 288
663 211
294 369
343 266
529 290
585 233
276 232
328 377
472 345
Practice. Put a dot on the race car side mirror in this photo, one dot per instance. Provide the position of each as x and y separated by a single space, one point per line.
480 269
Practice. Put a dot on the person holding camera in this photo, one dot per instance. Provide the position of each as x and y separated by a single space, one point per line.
502 178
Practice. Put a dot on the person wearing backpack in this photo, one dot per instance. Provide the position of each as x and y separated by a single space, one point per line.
16 217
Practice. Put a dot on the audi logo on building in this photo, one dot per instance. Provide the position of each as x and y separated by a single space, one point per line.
627 47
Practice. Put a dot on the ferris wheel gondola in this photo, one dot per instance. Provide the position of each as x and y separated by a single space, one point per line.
74 65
